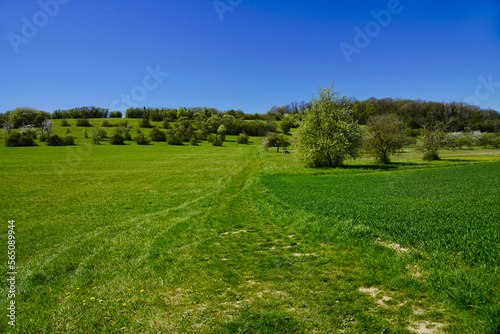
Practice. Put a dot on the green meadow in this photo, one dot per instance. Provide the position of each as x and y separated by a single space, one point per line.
236 239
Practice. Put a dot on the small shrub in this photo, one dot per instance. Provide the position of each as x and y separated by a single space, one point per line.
222 133
242 138
144 123
98 135
174 138
26 140
68 140
286 125
28 130
495 142
157 135
83 122
54 140
106 124
193 141
127 135
217 141
64 122
46 127
166 124
7 127
125 129
85 134
432 140
68 131
141 139
17 139
117 139
430 156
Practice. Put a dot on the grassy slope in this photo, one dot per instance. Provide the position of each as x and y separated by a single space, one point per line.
212 247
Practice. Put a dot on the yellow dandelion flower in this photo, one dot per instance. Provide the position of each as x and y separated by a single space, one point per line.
68 293
124 305
78 288
128 300
92 298
94 288
84 301
100 301
118 300
72 287
142 290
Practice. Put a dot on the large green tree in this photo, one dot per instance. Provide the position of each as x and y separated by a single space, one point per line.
328 134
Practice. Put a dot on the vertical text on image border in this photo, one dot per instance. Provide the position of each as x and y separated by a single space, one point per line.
11 253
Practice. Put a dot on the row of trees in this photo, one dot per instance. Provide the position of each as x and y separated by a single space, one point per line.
161 114
83 112
178 134
27 135
329 134
415 114
28 115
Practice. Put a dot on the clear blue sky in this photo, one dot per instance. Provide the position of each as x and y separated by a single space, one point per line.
262 53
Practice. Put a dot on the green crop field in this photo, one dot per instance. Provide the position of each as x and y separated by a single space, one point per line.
235 239
451 210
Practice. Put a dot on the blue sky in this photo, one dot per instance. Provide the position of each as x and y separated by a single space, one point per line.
263 53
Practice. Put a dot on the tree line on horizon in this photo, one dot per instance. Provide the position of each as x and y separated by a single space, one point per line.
416 114
328 128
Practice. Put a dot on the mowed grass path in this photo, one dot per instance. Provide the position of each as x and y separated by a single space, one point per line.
162 239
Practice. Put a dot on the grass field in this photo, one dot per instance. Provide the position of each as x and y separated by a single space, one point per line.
233 239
